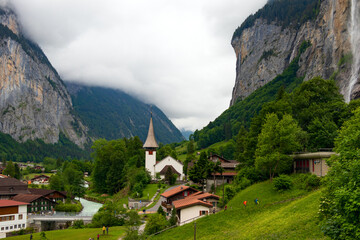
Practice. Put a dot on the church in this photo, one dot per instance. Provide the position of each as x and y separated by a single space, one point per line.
162 166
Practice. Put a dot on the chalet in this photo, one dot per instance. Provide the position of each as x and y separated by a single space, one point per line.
189 203
228 174
40 179
174 194
9 187
13 215
53 195
37 203
195 206
314 163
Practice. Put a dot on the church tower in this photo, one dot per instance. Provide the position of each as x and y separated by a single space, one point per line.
150 147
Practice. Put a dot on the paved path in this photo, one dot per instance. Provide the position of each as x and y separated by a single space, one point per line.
157 205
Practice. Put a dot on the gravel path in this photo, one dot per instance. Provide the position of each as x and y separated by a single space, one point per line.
157 205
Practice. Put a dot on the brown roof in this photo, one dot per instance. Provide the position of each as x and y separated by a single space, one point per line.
10 203
225 174
11 182
187 202
165 169
203 196
44 192
176 190
40 176
28 198
150 140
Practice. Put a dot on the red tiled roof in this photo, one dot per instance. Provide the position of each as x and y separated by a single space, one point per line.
187 202
176 190
10 203
202 195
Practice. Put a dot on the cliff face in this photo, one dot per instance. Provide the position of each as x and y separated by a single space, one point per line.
265 49
34 102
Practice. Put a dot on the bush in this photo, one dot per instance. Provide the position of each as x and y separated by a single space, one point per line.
155 223
106 218
68 207
307 181
283 182
242 184
78 224
250 173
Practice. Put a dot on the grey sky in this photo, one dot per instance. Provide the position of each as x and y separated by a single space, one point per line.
174 54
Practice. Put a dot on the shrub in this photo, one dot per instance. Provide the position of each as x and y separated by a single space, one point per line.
78 224
68 207
283 182
306 181
250 173
242 184
155 223
106 218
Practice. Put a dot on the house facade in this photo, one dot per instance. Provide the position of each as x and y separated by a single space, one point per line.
41 179
314 163
189 203
36 203
53 195
13 216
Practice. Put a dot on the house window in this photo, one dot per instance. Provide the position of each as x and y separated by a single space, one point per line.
11 227
2 228
20 216
185 193
7 228
150 152
19 225
15 226
23 225
203 213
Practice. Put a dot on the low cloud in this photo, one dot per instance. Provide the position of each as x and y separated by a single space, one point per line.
174 54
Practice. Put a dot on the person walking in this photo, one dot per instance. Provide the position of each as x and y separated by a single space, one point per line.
107 230
103 230
31 236
98 236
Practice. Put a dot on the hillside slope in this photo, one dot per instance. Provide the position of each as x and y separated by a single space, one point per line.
113 114
289 215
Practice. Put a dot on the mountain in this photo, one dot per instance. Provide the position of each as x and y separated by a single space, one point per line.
269 40
112 114
34 102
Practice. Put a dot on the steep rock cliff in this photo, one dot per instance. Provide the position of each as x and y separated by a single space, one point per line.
265 49
34 102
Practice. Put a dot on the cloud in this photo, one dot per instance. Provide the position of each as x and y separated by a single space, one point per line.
174 54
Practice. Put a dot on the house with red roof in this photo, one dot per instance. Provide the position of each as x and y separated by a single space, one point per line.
189 203
37 203
40 179
13 215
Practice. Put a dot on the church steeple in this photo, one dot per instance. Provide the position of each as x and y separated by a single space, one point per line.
150 142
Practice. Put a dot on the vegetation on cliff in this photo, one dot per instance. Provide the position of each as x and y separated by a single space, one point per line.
284 13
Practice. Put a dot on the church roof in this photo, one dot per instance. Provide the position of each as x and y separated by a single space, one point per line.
150 140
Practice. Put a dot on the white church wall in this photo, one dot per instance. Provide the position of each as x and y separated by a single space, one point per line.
150 161
170 161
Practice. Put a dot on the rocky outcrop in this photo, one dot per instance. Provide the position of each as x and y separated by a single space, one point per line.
266 49
34 102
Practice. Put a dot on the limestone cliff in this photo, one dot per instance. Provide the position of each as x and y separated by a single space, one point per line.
34 102
265 49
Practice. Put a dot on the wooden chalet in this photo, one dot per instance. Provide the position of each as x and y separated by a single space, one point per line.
40 179
174 194
53 195
37 203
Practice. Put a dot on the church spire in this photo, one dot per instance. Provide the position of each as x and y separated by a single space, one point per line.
150 140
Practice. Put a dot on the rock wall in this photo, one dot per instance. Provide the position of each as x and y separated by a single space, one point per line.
34 102
265 50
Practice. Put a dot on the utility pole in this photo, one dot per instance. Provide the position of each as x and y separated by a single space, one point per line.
194 230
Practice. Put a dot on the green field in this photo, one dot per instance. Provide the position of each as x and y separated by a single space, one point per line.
77 234
288 215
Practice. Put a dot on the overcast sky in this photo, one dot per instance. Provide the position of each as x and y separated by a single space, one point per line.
174 54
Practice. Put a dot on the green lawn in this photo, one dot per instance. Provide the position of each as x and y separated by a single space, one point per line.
77 234
288 215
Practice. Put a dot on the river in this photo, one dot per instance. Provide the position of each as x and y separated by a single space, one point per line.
89 209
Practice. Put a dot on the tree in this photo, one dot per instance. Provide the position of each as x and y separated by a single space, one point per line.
191 147
10 169
339 206
199 172
173 219
56 183
156 222
241 141
276 141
